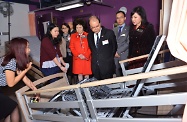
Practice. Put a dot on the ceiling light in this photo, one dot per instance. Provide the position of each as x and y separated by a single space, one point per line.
69 5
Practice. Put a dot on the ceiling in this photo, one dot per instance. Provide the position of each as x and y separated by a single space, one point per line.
42 4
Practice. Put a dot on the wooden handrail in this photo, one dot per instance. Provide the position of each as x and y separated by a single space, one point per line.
41 80
142 56
53 89
158 73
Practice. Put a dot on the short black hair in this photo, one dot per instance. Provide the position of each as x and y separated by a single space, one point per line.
79 21
121 12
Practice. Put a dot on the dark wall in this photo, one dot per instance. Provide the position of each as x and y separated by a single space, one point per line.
107 14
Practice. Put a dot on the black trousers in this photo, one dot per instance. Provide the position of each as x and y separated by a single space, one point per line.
99 76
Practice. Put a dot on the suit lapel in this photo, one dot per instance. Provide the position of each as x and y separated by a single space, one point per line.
101 37
124 30
93 41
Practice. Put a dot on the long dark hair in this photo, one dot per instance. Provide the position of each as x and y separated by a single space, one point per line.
69 30
54 41
140 11
17 50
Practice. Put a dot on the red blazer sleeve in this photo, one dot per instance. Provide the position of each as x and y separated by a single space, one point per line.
87 54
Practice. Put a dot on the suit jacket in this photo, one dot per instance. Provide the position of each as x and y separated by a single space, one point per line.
141 42
122 42
103 56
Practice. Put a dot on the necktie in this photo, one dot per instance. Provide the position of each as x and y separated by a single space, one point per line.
119 31
97 41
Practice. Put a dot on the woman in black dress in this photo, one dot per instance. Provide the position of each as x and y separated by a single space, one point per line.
141 36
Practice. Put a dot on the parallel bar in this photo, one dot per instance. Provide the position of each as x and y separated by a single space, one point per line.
140 57
151 100
139 120
158 73
53 89
61 104
161 79
158 66
58 118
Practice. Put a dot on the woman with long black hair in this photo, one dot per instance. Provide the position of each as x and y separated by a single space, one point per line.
51 61
141 37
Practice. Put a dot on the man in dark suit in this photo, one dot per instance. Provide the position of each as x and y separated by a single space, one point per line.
103 45
122 37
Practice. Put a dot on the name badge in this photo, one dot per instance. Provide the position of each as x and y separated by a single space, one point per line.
105 42
123 35
140 30
83 36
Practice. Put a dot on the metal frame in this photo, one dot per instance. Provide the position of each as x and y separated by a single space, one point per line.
33 112
147 67
154 100
62 105
90 108
93 105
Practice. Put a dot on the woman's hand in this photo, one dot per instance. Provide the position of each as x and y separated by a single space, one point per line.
63 69
37 97
117 55
29 66
81 56
64 63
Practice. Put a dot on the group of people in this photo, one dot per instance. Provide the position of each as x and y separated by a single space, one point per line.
86 53
134 40
95 53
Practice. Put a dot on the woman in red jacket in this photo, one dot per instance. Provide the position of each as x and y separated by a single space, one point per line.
81 51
